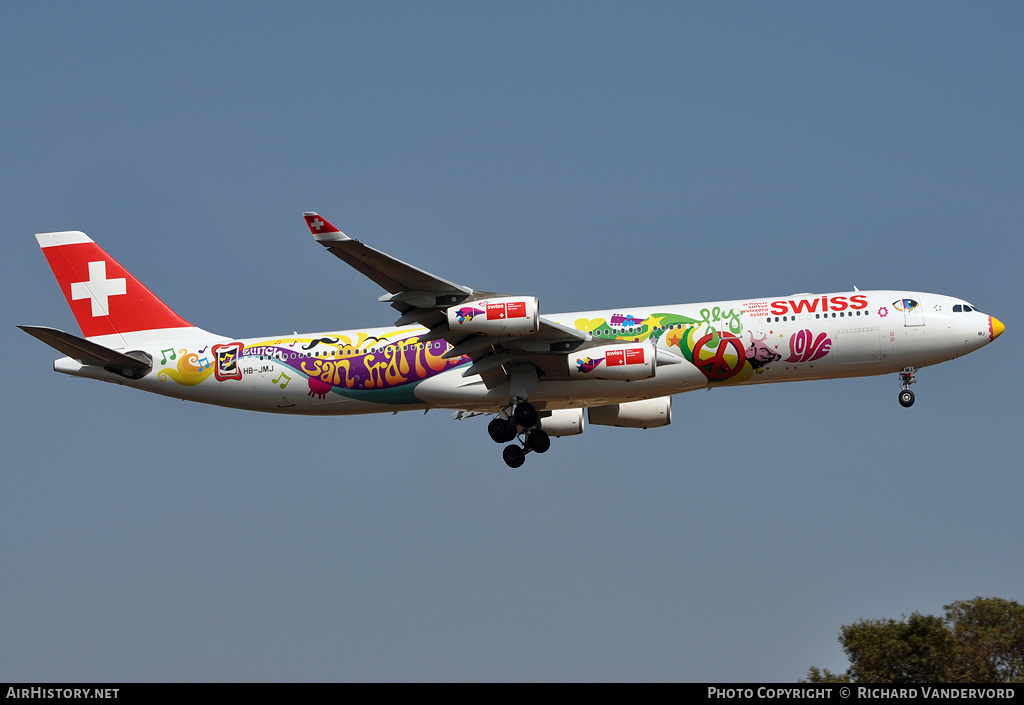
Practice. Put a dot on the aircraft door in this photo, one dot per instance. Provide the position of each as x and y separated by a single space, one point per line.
913 312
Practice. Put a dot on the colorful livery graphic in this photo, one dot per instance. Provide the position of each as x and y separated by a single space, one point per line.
479 352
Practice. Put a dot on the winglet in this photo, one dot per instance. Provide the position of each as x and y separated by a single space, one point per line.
322 230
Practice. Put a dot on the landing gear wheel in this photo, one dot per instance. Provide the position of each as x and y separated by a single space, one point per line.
525 415
538 441
501 430
906 398
514 456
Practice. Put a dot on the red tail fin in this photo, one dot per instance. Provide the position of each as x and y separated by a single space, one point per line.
104 297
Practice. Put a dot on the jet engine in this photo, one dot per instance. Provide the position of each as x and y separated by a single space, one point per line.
562 422
630 361
509 315
645 413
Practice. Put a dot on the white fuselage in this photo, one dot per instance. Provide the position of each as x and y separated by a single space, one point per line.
799 337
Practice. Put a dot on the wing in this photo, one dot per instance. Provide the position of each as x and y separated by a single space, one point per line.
424 298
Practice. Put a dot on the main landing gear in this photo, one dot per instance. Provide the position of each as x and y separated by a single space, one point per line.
907 379
506 427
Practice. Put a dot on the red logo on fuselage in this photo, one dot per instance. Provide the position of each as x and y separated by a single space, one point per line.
227 366
819 304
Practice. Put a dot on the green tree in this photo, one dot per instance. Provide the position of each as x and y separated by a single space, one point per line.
990 635
818 675
919 649
978 641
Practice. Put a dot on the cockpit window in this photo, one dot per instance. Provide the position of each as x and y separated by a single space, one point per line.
958 308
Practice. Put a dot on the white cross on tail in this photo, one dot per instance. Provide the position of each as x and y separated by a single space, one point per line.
98 288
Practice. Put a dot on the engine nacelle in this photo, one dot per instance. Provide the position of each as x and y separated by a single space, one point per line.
508 315
562 422
645 413
629 361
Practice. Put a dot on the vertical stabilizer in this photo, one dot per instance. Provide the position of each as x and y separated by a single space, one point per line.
109 304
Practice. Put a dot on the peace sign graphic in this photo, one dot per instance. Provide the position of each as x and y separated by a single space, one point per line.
723 361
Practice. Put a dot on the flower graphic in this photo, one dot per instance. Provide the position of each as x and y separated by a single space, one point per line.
883 312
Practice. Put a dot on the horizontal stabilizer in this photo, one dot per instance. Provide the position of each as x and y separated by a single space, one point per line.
86 352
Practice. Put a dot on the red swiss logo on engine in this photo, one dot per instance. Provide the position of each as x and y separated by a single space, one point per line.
635 356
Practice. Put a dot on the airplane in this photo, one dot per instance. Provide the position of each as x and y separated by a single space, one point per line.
485 353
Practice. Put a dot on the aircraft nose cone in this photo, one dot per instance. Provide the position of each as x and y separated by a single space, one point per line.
995 327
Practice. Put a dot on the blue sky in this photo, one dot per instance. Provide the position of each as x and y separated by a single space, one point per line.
596 155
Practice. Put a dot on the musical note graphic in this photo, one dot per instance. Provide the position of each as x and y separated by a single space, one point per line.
174 355
204 349
204 363
284 376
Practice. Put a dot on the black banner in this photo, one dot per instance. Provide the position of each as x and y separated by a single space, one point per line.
722 692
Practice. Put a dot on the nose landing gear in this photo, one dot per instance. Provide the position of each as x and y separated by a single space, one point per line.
907 379
506 426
